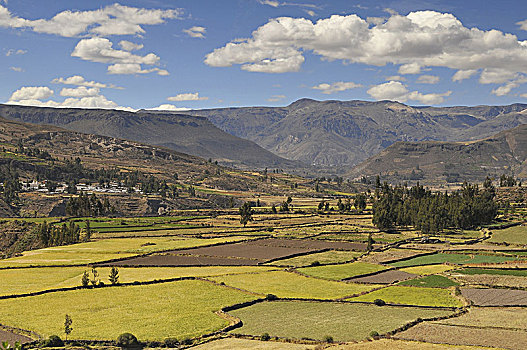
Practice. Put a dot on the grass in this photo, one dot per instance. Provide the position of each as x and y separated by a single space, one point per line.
342 321
20 281
440 258
341 271
106 249
503 272
428 269
432 281
153 312
511 235
290 285
421 296
329 257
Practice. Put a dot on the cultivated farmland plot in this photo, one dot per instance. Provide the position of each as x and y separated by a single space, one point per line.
328 287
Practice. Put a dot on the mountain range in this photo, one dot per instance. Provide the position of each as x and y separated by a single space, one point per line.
183 133
319 137
341 134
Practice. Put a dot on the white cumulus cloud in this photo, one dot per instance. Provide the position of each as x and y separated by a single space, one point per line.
130 46
414 42
338 86
113 19
31 93
169 107
81 97
124 62
196 32
428 79
464 74
79 80
189 96
397 91
80 91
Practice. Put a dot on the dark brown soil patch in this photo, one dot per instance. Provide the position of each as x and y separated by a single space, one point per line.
309 244
495 297
183 260
11 337
244 250
385 277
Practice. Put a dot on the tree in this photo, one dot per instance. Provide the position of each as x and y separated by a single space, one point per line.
87 236
273 209
370 242
95 280
114 275
246 213
360 202
67 325
85 279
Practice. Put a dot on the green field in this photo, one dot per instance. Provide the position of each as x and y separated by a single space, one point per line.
421 296
432 281
503 272
290 285
342 321
20 281
341 271
151 312
453 258
511 235
329 257
106 249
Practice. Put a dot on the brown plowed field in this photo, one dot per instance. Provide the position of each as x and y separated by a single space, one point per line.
309 244
244 250
456 335
495 297
386 277
11 337
183 260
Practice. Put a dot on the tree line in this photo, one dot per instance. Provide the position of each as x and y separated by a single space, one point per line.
55 235
432 212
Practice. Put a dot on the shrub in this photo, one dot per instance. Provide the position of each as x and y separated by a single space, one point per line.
186 341
374 334
328 339
171 342
379 302
271 297
315 263
265 337
53 341
127 340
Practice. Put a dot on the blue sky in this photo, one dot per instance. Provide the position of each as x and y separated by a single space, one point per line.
205 54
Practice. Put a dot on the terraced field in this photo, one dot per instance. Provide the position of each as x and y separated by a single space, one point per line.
317 267
342 321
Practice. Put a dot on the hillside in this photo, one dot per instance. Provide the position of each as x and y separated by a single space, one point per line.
440 162
45 153
182 133
340 134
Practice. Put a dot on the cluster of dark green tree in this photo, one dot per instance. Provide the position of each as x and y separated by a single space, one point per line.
432 212
10 183
509 181
55 235
89 205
